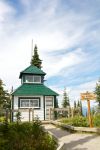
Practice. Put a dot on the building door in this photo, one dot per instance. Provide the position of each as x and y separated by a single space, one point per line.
49 103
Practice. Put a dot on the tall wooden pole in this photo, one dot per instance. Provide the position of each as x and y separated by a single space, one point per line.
89 114
88 96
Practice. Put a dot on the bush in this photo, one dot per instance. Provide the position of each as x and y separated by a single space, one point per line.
2 119
25 136
77 121
80 121
96 120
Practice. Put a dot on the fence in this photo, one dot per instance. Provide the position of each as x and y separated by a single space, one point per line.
7 114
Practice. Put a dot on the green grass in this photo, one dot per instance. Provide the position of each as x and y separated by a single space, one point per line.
79 121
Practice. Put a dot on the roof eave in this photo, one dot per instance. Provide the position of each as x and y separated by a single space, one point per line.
42 74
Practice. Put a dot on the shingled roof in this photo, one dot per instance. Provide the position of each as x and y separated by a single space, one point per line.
28 89
32 70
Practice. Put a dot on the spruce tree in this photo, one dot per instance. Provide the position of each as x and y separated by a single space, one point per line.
74 104
97 92
81 112
65 102
4 96
78 103
36 61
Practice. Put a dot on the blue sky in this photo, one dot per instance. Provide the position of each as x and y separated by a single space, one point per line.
67 33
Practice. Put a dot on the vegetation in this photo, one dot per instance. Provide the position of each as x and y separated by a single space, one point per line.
4 97
96 120
80 121
77 121
36 61
97 92
18 117
65 101
78 108
25 136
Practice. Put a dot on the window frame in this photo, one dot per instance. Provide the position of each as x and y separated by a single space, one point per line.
48 98
28 98
33 78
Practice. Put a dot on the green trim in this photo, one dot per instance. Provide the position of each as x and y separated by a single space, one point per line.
54 101
18 102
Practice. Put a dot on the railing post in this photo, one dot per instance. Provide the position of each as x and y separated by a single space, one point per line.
29 115
49 113
72 112
32 114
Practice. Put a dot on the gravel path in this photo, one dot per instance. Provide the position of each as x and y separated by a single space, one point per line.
75 141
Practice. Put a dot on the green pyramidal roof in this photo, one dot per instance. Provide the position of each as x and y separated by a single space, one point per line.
27 89
32 70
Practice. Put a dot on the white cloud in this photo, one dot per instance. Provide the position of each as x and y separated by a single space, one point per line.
4 11
74 92
82 88
54 64
52 30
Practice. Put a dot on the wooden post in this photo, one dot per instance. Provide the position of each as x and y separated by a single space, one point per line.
89 114
49 113
29 115
32 114
72 112
88 96
68 112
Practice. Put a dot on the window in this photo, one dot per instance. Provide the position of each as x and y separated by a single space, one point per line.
28 103
37 79
32 79
34 103
49 101
29 78
24 103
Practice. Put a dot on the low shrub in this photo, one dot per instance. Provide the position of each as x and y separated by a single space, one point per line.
77 121
96 120
80 121
2 119
25 136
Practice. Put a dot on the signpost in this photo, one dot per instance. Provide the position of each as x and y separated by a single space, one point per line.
88 96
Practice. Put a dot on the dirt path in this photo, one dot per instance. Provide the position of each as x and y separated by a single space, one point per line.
75 141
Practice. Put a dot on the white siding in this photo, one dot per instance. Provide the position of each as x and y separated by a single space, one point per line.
37 112
15 102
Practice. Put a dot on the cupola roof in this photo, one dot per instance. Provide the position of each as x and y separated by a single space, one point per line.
32 70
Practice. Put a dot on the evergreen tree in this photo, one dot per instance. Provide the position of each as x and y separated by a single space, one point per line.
74 104
81 112
97 92
4 96
36 61
78 103
78 108
65 102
